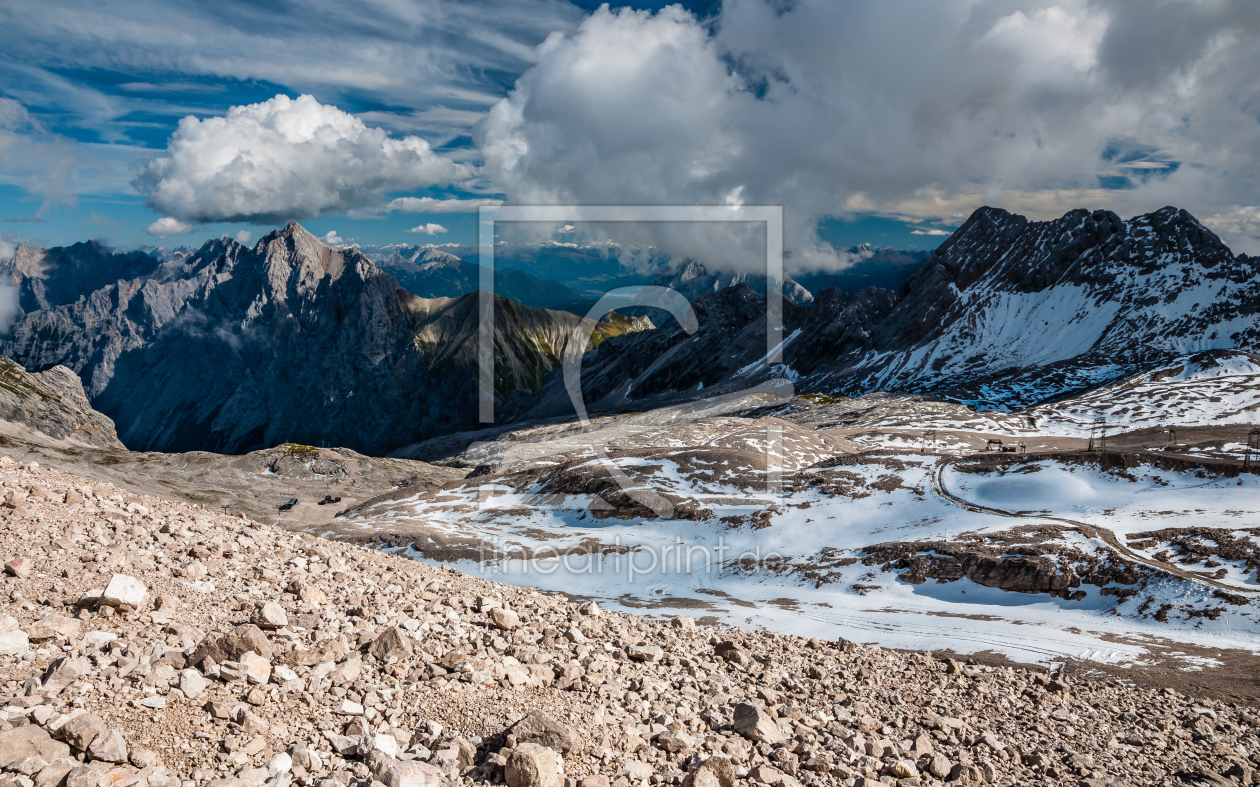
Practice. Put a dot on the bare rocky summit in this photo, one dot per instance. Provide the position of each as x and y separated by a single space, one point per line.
150 642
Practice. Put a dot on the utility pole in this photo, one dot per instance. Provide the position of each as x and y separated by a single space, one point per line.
1099 427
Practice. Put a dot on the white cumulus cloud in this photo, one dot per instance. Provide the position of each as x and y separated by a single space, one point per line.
333 239
919 110
244 237
428 229
167 226
285 159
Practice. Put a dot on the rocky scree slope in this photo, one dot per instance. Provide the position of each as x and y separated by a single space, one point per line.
233 349
1006 313
150 642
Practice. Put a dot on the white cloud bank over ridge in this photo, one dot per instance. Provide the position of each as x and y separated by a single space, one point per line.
285 159
921 110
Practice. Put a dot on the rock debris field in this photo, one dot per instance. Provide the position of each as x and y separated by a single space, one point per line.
155 643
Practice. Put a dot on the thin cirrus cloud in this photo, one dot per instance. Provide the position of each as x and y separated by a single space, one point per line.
406 59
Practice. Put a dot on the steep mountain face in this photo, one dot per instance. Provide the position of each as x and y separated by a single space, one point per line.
47 278
233 349
1006 313
639 369
1012 312
693 280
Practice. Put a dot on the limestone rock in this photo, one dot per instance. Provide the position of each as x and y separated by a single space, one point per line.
644 652
14 643
108 746
269 615
54 627
409 773
531 765
391 643
80 731
504 619
229 647
755 724
192 684
20 567
716 771
257 669
62 672
540 728
124 592
29 741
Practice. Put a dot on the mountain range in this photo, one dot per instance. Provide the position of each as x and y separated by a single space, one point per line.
1005 314
232 348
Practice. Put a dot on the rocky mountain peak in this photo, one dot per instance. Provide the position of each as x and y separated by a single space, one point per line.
47 278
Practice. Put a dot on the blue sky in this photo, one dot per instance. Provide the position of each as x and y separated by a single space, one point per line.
1039 107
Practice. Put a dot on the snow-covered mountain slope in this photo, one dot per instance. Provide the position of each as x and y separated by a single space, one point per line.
841 545
1011 312
1219 387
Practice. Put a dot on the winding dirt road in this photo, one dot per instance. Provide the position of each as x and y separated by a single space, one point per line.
1089 531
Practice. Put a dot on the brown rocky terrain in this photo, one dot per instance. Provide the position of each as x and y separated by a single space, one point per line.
151 642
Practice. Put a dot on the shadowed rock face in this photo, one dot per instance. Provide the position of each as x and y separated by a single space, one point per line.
233 349
47 278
